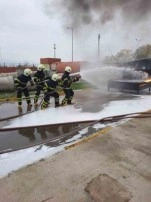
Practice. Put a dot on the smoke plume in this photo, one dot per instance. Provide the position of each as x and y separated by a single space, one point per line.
81 12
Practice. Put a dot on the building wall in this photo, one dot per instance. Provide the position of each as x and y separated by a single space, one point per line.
49 61
51 64
7 69
60 66
15 69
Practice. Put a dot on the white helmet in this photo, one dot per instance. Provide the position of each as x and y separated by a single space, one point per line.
27 72
55 77
40 67
68 69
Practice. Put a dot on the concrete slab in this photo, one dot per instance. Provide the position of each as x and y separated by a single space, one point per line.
123 154
104 188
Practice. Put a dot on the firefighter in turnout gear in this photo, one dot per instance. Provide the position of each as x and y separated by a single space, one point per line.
21 87
66 84
39 77
49 89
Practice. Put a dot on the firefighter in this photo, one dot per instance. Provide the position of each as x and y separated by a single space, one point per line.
39 78
66 84
49 89
21 87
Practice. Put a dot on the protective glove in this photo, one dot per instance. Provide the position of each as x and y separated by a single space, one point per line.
45 92
32 83
77 78
18 88
60 82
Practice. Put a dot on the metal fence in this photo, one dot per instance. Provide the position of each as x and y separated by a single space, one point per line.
12 64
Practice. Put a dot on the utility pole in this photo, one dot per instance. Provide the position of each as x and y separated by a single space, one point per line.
98 47
54 50
138 42
71 28
0 53
111 55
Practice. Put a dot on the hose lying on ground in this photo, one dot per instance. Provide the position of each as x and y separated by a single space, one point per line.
90 123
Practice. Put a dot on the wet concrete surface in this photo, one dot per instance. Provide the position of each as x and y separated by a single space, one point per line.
90 100
22 138
112 167
116 192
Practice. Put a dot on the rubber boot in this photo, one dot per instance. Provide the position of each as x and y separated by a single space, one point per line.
57 104
64 102
69 102
20 110
29 106
42 107
35 105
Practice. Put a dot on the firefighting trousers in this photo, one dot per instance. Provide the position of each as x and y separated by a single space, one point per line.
47 98
38 91
68 96
19 96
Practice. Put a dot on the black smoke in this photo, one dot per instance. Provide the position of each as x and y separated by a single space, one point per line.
80 12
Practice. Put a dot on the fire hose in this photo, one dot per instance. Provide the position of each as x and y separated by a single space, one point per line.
6 99
90 123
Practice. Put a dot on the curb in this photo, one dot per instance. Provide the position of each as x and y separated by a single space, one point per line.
99 132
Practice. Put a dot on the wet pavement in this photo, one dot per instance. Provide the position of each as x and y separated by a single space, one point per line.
28 137
90 100
111 166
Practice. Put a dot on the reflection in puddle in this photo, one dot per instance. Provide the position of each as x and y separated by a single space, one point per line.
29 136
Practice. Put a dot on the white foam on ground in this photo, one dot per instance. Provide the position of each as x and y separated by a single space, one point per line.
10 162
70 114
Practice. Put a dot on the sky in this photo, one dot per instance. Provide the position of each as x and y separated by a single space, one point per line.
13 161
30 28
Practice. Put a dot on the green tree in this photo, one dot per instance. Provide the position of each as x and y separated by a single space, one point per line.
143 52
124 56
109 59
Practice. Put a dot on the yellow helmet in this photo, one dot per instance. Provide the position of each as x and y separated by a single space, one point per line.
68 69
55 77
40 67
27 72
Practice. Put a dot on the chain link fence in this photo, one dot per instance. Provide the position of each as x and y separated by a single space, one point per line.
12 64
